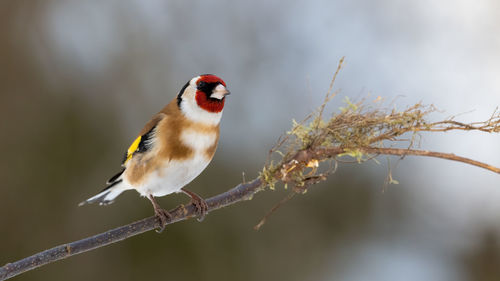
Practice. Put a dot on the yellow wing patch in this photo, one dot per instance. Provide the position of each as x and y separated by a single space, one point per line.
133 148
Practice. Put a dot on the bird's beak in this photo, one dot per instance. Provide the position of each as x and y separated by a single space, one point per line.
220 92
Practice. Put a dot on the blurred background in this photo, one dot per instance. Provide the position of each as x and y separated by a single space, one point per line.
78 79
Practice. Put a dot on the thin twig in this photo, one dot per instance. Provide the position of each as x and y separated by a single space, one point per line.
404 151
329 94
273 209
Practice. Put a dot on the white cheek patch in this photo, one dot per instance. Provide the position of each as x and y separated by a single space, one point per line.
195 113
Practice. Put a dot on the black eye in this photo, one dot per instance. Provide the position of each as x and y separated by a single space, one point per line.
202 85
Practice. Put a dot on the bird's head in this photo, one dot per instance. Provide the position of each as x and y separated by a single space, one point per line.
202 98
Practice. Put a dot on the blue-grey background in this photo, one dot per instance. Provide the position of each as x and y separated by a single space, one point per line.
78 79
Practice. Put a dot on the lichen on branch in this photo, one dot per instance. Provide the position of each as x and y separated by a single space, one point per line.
359 130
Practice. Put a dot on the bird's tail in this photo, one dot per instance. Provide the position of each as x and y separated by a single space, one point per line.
107 195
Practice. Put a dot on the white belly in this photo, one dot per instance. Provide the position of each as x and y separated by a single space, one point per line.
173 176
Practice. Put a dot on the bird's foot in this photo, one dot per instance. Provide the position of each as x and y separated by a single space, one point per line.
201 208
163 217
161 214
199 203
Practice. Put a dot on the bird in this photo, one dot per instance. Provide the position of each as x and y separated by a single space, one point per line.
173 148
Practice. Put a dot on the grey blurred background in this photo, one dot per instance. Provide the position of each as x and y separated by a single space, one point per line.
78 79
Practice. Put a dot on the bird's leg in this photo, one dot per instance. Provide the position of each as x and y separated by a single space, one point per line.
198 202
163 215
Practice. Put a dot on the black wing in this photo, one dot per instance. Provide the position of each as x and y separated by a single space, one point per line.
140 145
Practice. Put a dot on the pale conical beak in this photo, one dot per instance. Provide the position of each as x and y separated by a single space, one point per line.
220 92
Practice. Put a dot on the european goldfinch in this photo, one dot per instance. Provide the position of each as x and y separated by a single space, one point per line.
173 148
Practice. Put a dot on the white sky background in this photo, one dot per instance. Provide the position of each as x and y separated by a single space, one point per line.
278 58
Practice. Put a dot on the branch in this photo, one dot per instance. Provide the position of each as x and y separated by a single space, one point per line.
239 193
242 192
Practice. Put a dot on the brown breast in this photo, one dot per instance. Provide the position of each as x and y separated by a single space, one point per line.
169 143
